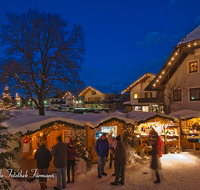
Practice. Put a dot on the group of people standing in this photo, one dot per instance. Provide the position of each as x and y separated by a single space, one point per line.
64 155
114 146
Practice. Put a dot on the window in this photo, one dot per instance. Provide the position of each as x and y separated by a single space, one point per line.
148 95
193 66
138 108
177 95
194 94
93 92
135 96
97 99
90 99
145 108
159 94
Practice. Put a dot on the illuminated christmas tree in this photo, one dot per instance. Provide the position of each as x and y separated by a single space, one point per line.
6 99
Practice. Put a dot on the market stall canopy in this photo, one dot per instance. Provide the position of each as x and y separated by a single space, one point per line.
140 117
185 114
95 120
29 121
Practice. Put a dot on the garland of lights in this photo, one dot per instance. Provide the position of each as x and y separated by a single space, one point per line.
110 120
153 117
51 124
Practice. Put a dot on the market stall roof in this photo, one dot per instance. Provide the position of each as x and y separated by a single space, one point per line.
186 114
140 117
29 121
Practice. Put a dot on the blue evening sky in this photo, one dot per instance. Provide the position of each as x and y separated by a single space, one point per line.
124 38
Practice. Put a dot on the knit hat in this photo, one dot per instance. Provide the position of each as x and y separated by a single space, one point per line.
118 138
104 134
71 141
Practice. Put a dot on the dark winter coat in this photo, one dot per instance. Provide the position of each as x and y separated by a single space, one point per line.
43 157
59 151
154 143
71 155
120 154
102 147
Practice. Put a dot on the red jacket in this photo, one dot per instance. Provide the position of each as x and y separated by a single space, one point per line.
71 153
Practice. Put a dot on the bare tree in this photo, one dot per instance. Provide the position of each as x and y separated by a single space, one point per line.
41 55
167 93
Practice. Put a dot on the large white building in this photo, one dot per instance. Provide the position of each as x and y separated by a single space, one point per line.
179 78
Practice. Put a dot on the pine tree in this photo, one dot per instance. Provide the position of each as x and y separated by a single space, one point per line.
5 156
6 99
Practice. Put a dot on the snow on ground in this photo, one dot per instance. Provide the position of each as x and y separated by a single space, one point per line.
179 171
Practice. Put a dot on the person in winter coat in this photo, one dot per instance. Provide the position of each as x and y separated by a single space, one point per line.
120 161
59 151
102 147
111 150
153 139
71 159
43 157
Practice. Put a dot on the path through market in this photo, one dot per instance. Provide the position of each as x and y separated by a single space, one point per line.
179 171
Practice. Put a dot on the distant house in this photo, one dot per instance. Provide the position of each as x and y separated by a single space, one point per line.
57 99
70 99
140 100
179 77
103 97
64 98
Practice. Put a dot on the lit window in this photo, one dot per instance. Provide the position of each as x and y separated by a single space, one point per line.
193 66
97 98
138 108
90 99
177 95
194 94
135 96
145 108
148 95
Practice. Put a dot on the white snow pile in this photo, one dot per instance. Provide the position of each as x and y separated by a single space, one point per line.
132 156
185 114
81 166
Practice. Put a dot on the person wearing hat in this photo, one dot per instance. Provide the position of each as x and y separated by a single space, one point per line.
43 157
102 147
71 159
120 161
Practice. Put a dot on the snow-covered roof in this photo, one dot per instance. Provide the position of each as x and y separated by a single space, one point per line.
194 35
30 120
145 116
186 114
128 102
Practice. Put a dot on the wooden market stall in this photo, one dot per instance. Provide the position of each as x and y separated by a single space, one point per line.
190 128
47 133
166 126
97 124
113 125
31 130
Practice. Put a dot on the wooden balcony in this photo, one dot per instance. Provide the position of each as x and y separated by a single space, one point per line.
94 102
150 100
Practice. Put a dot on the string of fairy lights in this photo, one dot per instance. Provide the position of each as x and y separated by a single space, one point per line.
172 60
137 81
